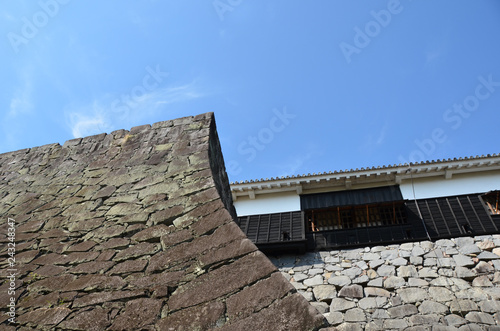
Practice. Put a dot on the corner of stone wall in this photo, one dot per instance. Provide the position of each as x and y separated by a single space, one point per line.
218 168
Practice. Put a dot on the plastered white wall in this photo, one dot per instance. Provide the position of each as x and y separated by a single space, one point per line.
458 184
267 204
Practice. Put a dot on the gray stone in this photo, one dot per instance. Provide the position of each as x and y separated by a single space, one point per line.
463 306
435 253
394 282
314 281
427 273
416 260
407 271
411 295
349 327
406 246
399 261
371 256
486 256
463 241
395 324
363 279
380 314
441 294
377 282
447 272
339 281
490 306
298 286
334 317
417 282
482 281
441 281
353 254
372 303
352 272
402 311
376 263
361 264
446 262
469 249
324 292
308 295
441 327
315 271
455 320
386 270
426 245
472 327
332 259
445 243
483 267
429 319
375 325
378 249
339 304
431 307
460 283
417 251
430 261
479 317
355 315
396 300
376 292
496 264
473 293
389 254
322 307
298 276
351 291
464 273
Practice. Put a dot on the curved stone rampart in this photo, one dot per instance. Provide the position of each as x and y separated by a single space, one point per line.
451 284
134 230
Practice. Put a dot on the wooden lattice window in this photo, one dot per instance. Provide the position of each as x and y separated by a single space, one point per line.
350 217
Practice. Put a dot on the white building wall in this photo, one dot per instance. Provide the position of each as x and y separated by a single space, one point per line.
267 204
458 184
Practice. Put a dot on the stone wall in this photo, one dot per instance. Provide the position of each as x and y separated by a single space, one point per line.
134 230
443 285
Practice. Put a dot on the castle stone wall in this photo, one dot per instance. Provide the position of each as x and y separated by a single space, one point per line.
451 284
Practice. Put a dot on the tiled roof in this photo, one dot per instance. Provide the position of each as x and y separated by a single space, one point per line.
427 163
134 230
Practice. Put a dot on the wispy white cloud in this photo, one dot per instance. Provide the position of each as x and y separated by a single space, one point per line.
108 113
293 165
20 103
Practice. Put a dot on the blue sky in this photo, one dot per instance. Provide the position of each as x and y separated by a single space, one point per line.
297 87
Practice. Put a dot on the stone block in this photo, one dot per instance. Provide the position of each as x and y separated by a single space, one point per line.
351 291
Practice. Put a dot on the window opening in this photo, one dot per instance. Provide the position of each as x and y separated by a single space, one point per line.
350 217
492 200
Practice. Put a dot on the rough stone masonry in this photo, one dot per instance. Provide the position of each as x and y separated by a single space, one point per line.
450 284
134 230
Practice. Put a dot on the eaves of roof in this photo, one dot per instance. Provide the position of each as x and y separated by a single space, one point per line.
392 174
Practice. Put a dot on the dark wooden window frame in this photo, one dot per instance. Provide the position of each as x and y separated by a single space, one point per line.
357 216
